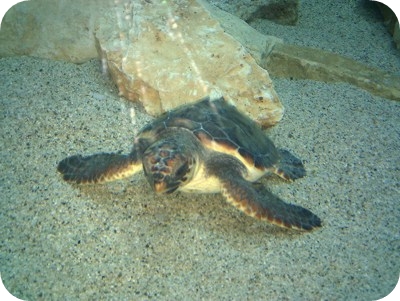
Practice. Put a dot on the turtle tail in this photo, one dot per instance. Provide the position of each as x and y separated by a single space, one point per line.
98 168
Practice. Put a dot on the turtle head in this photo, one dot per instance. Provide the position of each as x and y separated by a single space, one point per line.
168 164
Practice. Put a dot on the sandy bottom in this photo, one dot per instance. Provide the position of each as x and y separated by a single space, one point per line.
119 241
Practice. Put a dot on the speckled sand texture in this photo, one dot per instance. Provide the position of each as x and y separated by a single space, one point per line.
119 241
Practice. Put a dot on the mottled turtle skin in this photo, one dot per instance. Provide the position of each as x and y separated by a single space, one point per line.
206 147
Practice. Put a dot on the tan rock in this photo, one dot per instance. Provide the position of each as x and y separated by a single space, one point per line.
53 29
257 44
38 28
166 55
308 63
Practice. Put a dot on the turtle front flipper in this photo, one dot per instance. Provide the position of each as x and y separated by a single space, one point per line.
98 168
263 205
256 201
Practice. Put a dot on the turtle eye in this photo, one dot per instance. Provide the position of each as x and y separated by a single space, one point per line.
182 171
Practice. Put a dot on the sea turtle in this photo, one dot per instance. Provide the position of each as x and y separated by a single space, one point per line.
206 147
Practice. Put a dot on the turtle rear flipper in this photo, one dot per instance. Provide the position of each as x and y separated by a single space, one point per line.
98 168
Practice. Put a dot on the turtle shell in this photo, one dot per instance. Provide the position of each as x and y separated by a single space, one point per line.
220 127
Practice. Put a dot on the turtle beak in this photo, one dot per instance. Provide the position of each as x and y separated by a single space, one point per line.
165 187
162 183
159 187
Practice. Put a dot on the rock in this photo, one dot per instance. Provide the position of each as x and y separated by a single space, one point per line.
283 12
293 61
165 55
259 45
61 30
396 35
391 22
38 28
